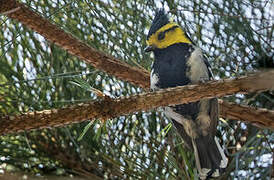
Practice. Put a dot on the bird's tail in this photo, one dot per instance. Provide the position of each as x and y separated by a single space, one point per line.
209 156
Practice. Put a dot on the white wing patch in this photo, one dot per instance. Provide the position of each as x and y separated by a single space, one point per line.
189 125
197 68
154 79
203 119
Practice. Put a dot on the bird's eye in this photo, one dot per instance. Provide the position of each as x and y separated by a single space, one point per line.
161 36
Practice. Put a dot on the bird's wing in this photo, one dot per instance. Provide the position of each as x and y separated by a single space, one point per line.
183 134
208 68
214 115
181 120
213 103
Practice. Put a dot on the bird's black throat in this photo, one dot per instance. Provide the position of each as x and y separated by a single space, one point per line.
170 65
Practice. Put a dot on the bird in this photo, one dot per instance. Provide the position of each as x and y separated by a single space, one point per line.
178 62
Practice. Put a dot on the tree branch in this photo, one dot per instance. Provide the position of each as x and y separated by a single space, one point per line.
53 33
99 60
260 117
109 108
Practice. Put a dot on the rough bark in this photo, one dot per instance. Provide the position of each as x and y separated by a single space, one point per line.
53 33
99 60
109 108
260 117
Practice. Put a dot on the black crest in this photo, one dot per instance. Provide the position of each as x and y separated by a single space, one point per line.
159 21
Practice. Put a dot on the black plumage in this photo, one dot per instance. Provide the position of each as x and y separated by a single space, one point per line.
159 21
170 65
181 64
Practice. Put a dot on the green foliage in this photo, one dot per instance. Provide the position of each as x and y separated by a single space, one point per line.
37 75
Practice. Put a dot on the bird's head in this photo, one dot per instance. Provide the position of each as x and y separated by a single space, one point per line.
164 33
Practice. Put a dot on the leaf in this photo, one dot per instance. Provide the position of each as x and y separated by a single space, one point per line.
85 130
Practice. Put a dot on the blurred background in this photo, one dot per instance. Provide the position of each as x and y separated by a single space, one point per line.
236 36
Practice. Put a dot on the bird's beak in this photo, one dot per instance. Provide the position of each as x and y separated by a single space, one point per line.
149 48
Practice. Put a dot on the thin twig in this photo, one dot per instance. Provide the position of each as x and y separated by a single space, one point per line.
10 11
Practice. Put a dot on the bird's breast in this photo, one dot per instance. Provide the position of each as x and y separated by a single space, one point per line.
170 67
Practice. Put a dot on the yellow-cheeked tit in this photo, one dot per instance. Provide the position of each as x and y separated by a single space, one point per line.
179 62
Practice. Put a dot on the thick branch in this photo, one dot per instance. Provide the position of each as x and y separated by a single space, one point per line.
109 108
53 33
262 118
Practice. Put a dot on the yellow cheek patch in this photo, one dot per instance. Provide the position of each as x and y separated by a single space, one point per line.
171 37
